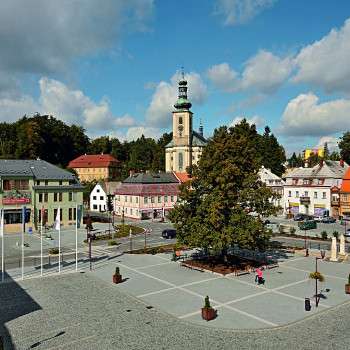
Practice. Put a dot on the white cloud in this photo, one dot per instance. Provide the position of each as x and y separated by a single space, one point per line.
263 72
223 77
332 142
325 63
256 119
240 11
135 132
304 115
71 106
158 113
46 36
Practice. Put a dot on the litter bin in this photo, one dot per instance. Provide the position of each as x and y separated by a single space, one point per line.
307 304
30 230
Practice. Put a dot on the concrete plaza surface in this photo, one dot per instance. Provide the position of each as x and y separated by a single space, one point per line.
241 303
81 311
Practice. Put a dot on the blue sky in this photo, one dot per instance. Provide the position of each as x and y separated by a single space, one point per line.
112 66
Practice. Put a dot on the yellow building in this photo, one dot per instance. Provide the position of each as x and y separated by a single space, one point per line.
97 167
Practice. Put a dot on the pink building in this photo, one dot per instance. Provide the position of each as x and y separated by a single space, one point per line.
147 195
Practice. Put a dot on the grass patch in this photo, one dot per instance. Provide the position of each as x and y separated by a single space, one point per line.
167 248
124 230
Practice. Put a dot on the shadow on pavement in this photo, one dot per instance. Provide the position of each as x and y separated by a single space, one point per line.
14 302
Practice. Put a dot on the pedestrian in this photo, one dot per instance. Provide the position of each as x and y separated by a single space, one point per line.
258 274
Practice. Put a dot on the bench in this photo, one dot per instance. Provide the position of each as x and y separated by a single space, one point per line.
192 267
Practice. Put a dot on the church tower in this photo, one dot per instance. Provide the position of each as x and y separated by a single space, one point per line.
186 145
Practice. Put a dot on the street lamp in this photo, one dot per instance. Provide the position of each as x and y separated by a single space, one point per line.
130 237
317 297
88 236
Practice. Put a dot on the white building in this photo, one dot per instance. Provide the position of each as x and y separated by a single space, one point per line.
275 183
98 196
309 190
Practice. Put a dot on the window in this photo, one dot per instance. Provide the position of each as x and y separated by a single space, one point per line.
289 193
130 199
315 195
180 120
130 211
70 196
74 213
70 214
60 183
125 198
40 197
46 197
172 198
145 200
98 190
102 198
94 198
320 181
159 199
324 195
295 181
9 185
38 183
165 198
297 194
181 161
60 196
152 199
126 210
55 196
306 181
137 199
46 183
306 194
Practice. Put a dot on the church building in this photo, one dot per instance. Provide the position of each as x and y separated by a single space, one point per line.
187 145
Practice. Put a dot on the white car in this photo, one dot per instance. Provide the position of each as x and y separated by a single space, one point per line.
318 218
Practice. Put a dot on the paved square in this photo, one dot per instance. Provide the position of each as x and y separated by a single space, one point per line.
241 304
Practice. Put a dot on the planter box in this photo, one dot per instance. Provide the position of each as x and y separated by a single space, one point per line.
347 288
208 313
117 279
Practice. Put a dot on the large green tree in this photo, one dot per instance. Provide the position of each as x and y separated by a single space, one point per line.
215 209
344 146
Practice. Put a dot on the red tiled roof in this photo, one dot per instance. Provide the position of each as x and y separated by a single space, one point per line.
93 161
183 177
345 186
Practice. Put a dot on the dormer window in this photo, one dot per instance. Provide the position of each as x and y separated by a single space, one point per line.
306 182
295 181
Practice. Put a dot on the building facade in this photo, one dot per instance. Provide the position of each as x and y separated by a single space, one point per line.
344 196
273 182
312 190
90 167
186 147
146 195
36 184
99 195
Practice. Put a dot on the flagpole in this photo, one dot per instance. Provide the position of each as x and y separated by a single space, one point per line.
76 237
23 220
59 241
2 244
41 242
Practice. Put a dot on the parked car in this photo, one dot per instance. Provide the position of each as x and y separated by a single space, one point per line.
347 233
169 233
318 218
307 225
301 217
328 220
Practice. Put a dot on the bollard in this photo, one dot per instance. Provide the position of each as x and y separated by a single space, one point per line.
307 304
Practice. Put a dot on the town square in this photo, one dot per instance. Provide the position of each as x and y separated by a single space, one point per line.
174 175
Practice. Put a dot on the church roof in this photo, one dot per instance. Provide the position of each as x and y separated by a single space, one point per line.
197 140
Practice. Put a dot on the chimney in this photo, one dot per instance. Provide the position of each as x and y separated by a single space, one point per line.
341 163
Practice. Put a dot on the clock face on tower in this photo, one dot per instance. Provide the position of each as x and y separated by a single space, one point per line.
180 128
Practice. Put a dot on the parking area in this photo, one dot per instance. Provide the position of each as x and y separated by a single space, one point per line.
241 304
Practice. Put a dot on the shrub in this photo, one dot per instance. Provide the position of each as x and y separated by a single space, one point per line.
153 251
53 251
112 243
324 235
292 230
207 303
317 276
336 234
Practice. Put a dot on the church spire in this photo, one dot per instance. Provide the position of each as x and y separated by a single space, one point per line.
182 102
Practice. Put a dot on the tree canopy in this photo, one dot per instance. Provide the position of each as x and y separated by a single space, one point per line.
225 201
344 146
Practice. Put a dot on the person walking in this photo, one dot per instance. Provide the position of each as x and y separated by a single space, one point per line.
259 276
